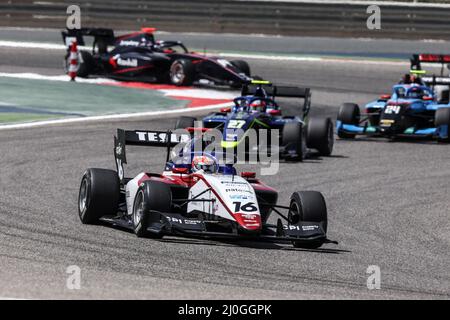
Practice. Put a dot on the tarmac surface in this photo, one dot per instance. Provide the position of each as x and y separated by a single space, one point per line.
387 203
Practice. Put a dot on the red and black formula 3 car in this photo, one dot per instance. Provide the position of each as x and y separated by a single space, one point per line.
139 57
202 198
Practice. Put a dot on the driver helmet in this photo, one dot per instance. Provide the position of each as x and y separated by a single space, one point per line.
416 79
406 79
205 164
258 105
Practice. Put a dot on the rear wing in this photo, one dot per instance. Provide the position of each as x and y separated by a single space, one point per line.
105 36
268 89
433 80
436 80
165 139
417 60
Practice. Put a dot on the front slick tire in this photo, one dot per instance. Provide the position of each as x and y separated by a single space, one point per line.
349 113
185 122
242 66
308 206
442 118
99 195
151 198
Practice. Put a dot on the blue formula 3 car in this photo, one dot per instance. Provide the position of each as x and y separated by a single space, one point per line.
418 107
257 109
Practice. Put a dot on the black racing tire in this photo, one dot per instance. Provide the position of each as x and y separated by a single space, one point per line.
185 122
349 113
99 195
152 197
293 138
308 206
320 135
182 72
442 118
242 66
102 46
86 64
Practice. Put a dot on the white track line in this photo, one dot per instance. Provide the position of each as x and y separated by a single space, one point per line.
35 45
50 46
191 93
63 78
110 117
311 59
365 3
272 57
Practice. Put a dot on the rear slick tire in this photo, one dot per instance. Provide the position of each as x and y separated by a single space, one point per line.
182 72
151 198
293 138
320 135
98 196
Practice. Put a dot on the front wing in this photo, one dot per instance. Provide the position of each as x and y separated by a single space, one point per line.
441 131
178 225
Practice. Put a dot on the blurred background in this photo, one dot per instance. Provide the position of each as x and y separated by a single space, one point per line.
416 19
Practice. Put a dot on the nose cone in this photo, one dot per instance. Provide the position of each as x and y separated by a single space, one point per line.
249 221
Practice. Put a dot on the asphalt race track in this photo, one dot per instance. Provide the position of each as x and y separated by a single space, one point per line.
388 206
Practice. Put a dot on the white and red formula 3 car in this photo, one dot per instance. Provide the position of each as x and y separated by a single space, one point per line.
198 199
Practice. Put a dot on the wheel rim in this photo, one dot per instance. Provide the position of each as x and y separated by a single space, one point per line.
138 210
294 210
177 73
83 199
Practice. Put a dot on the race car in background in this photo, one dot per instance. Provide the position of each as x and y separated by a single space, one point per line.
139 57
256 109
202 198
418 107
